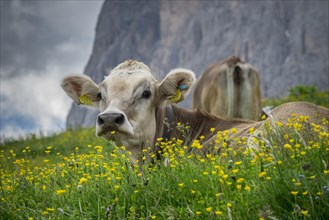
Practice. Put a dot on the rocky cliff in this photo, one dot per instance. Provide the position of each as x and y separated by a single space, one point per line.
287 41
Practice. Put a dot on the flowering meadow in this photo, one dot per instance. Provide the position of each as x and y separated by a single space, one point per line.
74 175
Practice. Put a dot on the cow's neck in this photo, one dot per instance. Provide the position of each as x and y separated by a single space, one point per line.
198 123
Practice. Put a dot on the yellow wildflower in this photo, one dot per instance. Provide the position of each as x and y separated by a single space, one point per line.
235 170
234 130
209 209
196 144
304 212
83 180
217 212
294 193
260 175
60 191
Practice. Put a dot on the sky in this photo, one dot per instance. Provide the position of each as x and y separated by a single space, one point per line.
42 41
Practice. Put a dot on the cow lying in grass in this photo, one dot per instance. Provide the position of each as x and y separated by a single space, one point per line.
134 105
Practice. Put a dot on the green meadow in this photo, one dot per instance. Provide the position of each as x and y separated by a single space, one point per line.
75 175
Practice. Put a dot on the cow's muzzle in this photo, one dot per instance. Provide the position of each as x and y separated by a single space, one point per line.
113 121
110 120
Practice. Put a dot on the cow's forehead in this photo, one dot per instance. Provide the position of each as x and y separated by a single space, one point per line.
126 74
138 73
124 80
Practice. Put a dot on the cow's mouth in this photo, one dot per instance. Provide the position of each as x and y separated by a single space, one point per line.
106 132
112 133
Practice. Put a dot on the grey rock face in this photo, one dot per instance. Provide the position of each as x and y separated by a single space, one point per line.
287 41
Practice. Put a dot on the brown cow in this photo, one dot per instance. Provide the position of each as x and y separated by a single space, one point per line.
231 89
134 105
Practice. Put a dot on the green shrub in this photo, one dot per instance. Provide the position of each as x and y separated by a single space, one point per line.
301 93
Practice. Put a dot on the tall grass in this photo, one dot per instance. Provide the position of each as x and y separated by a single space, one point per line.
65 177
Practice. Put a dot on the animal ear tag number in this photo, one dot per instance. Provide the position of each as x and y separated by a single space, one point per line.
178 96
85 100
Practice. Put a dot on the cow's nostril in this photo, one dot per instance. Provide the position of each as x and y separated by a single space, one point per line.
100 120
120 119
110 120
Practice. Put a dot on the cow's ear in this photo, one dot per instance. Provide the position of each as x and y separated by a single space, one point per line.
81 89
177 85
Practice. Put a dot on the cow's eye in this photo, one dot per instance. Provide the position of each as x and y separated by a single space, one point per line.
146 94
99 96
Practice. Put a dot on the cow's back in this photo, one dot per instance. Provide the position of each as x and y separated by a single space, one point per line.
296 109
231 89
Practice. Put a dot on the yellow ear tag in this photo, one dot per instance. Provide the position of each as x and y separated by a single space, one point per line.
177 97
85 100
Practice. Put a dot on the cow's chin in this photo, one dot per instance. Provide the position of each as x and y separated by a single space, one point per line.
121 136
124 130
114 135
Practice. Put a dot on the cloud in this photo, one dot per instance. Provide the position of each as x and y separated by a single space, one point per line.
31 32
41 42
33 103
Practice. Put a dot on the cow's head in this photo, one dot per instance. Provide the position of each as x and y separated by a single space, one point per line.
128 98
